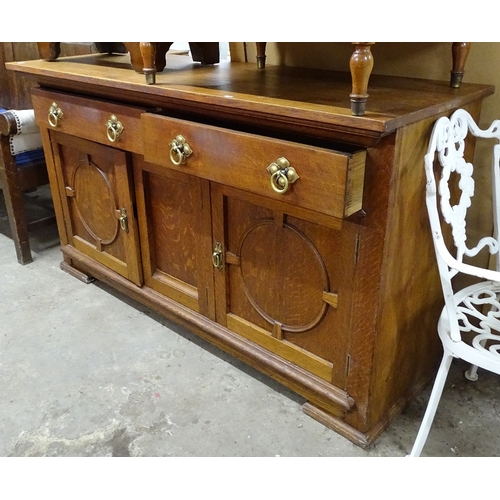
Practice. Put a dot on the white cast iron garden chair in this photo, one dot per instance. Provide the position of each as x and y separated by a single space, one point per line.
469 325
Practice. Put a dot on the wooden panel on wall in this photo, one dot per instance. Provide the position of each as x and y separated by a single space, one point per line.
15 87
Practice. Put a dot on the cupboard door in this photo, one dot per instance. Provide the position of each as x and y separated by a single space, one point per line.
98 203
175 232
285 282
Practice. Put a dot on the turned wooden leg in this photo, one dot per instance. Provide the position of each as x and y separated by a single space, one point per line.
49 50
460 52
148 52
261 54
137 61
361 65
134 50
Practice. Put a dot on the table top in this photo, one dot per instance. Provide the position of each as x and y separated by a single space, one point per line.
291 97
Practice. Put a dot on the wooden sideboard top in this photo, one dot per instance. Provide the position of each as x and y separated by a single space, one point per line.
291 98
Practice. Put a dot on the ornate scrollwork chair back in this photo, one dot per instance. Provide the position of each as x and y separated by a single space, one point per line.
469 325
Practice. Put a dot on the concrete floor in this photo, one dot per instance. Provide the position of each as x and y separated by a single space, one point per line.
88 373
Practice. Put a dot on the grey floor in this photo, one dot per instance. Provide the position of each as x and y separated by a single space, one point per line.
88 373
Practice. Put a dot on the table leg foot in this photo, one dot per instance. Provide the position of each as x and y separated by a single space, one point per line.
460 52
361 65
148 52
261 54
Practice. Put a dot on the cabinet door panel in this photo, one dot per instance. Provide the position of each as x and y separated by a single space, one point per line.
286 282
174 223
98 203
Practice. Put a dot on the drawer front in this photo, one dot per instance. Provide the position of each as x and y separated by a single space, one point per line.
326 181
99 121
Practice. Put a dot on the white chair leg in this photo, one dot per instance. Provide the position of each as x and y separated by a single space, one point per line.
471 373
434 399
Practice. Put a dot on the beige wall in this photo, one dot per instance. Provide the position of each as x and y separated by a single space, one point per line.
417 60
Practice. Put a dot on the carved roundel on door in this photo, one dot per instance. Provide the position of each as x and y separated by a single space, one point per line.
283 276
95 201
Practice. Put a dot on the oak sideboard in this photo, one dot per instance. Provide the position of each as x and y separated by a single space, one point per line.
253 209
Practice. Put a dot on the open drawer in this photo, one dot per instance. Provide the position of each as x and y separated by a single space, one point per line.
318 179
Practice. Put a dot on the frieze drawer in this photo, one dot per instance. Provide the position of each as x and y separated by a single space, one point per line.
103 122
318 179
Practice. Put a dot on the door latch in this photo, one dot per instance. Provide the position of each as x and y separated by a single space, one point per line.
217 260
123 220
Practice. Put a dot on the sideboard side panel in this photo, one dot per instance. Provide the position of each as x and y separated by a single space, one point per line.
408 349
366 301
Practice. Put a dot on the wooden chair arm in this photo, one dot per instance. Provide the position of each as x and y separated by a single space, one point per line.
8 123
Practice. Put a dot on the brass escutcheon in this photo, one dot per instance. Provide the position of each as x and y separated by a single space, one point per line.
179 150
217 260
55 115
114 128
282 175
123 220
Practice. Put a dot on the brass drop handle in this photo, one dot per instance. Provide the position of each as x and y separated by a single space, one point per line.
179 150
55 115
114 128
282 175
217 259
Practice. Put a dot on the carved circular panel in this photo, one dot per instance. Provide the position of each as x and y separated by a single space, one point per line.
283 276
95 202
